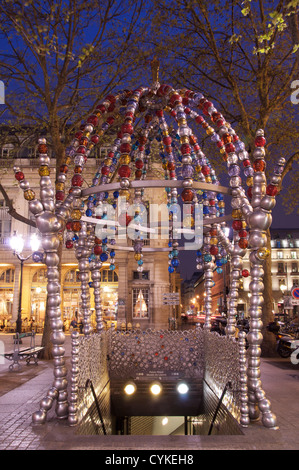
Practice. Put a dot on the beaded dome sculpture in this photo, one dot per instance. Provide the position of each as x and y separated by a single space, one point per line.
141 120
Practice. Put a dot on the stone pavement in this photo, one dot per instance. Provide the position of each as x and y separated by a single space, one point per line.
21 392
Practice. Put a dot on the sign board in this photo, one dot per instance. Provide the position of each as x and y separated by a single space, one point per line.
171 295
295 301
295 292
171 302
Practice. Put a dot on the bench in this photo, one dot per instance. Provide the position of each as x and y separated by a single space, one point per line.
27 353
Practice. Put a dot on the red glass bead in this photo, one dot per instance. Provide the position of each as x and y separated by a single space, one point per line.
159 112
271 190
19 176
243 243
125 148
167 140
69 225
243 233
206 106
259 165
199 119
78 135
42 148
260 141
245 272
229 148
187 195
59 195
214 250
97 250
93 119
110 98
127 128
101 108
249 192
139 164
185 149
205 170
69 244
105 170
138 174
171 166
237 225
246 162
77 180
175 99
124 171
95 139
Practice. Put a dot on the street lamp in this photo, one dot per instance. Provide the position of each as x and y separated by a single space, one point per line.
17 245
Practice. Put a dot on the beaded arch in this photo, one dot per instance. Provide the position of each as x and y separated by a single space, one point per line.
140 118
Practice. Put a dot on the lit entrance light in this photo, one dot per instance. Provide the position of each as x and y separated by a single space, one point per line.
182 388
164 421
156 388
130 388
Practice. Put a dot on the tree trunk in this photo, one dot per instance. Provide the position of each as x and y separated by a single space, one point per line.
269 340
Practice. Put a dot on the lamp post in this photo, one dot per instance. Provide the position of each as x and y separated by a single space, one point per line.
17 245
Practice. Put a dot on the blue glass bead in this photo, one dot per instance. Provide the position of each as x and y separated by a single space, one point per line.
88 212
219 270
103 257
207 258
175 262
170 269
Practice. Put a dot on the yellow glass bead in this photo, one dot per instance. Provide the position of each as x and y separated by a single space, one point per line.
76 214
222 150
164 166
167 109
244 225
209 130
59 186
236 213
137 256
67 160
29 195
44 170
198 168
182 122
214 241
125 193
249 181
221 204
263 253
125 160
208 179
108 161
184 139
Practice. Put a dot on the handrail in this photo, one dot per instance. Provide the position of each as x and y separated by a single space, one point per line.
228 385
89 383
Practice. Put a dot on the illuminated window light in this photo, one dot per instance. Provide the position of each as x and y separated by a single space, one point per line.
156 388
130 388
164 421
182 388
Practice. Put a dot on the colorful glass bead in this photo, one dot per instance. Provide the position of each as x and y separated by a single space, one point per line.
259 165
29 195
187 195
69 244
77 180
44 170
124 171
19 176
76 226
271 190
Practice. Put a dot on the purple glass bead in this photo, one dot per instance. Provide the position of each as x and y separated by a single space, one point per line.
234 170
187 171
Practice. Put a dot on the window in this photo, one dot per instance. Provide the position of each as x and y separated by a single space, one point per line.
293 254
295 282
140 303
40 276
72 276
141 275
5 223
7 276
281 268
108 276
294 267
279 255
